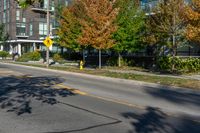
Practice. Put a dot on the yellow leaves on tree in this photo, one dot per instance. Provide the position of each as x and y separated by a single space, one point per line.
98 22
192 15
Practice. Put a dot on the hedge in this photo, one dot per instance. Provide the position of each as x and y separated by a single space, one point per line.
30 56
182 65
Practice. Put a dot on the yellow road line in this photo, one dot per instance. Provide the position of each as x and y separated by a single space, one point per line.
24 76
76 91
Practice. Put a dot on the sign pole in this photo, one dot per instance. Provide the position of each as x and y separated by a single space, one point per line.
48 32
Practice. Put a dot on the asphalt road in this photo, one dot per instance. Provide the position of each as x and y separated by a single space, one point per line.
40 101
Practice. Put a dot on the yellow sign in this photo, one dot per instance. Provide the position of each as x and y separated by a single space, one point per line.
48 42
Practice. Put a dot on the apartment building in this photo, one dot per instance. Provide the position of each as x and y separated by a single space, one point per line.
27 28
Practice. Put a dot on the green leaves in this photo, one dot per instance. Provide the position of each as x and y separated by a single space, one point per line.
130 21
69 30
3 54
182 65
3 34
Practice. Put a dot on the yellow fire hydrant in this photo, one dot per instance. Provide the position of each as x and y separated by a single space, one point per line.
81 65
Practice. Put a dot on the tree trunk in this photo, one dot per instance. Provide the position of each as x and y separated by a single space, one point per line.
99 58
62 50
83 55
173 53
119 59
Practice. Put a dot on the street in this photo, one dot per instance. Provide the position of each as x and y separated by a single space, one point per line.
36 100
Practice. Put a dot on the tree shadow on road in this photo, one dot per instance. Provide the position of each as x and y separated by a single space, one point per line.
176 96
153 120
17 93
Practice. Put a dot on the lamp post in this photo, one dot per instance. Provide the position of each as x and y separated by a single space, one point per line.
48 32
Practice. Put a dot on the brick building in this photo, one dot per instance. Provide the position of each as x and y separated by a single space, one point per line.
27 28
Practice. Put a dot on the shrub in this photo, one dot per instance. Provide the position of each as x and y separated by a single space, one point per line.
4 54
182 65
30 56
113 61
57 57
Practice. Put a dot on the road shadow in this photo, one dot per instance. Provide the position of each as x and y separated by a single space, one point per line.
175 96
153 120
16 93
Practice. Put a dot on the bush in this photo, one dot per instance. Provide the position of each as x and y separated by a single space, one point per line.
57 57
31 56
181 65
4 54
113 61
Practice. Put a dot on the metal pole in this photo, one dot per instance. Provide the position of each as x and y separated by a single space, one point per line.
99 58
48 31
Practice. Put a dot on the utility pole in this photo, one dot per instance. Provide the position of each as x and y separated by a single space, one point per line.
99 58
48 31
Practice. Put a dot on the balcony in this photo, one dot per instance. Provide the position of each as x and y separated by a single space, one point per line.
42 9
22 35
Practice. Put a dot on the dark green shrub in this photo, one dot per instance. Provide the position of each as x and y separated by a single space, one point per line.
127 62
4 54
164 63
113 61
31 56
181 65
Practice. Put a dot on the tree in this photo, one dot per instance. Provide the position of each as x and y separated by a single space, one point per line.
69 29
130 21
167 24
3 34
192 15
97 21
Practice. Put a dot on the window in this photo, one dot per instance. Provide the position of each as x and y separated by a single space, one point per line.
31 30
52 5
4 17
8 4
45 4
17 15
21 29
66 2
8 16
24 20
42 28
4 4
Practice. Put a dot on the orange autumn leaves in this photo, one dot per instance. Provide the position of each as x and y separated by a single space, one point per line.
192 15
88 23
98 25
